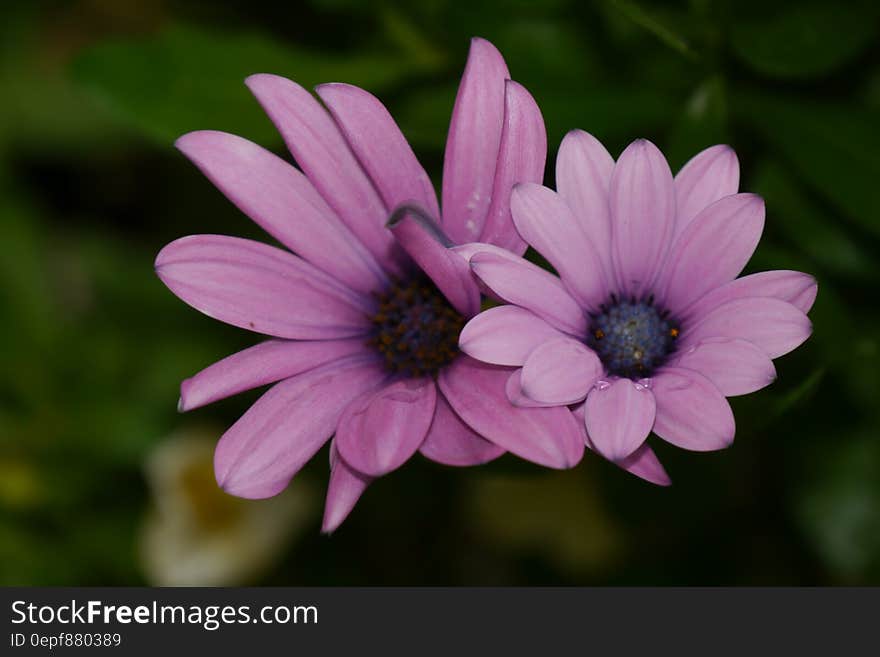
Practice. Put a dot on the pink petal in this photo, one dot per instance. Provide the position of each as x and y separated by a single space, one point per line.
505 335
619 417
545 221
521 159
710 175
451 442
691 412
379 146
713 249
560 371
473 142
260 288
642 201
260 365
643 462
583 178
343 492
794 287
516 396
522 283
448 270
476 392
777 327
283 201
268 445
380 431
322 153
736 367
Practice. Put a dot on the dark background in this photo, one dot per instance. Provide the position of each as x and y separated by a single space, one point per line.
102 482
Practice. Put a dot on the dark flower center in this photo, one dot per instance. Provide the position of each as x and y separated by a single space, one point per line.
416 330
632 338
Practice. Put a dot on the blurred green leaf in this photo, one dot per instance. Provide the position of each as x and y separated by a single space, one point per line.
799 40
702 124
654 25
187 79
836 149
824 240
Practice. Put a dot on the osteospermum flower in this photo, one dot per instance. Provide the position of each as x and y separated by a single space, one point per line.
647 327
365 319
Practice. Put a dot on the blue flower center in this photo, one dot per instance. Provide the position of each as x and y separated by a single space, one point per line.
632 338
415 328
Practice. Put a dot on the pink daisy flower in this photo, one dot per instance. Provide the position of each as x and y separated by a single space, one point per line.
647 327
364 319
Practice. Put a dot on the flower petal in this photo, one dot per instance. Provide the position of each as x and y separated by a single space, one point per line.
560 371
643 462
473 142
691 412
710 175
449 271
379 146
521 159
713 249
451 442
260 288
522 283
794 287
777 327
321 151
379 432
642 201
282 201
736 367
516 396
619 416
545 221
505 335
583 178
476 392
260 365
343 492
268 445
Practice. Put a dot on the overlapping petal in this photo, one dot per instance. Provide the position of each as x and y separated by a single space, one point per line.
505 335
619 416
707 177
452 442
560 371
691 412
735 366
343 491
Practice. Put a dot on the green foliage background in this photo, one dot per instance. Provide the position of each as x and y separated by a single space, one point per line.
94 93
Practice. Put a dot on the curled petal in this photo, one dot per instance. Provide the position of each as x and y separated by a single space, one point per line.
379 432
422 240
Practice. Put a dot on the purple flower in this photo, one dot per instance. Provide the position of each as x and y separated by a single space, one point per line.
365 319
647 327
